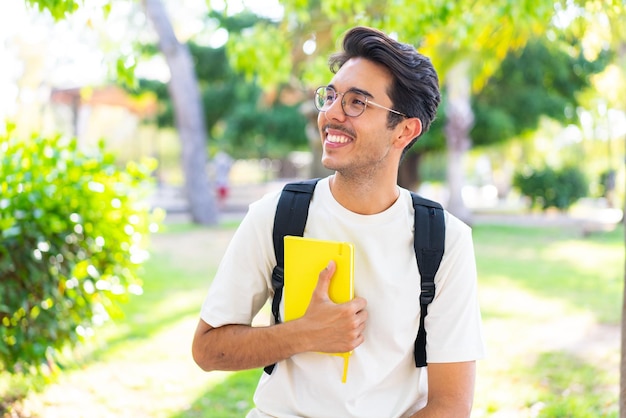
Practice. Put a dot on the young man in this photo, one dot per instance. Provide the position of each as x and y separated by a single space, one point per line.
383 96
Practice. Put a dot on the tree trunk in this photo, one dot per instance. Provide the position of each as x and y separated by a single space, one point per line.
189 116
408 173
459 121
622 383
622 386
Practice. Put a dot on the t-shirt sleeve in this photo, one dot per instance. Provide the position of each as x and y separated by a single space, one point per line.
453 324
242 283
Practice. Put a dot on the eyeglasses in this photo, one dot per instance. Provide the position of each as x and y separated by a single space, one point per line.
353 103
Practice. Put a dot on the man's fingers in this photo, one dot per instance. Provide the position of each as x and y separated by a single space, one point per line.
323 281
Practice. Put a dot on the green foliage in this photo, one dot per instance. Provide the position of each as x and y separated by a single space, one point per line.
59 9
248 57
607 182
73 232
125 71
257 132
236 115
165 114
543 80
548 187
217 81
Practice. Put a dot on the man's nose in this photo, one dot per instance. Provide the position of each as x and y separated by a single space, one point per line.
335 110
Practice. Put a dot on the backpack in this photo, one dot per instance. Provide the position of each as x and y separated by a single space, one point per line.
429 239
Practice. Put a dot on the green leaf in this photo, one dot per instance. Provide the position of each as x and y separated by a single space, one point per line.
55 227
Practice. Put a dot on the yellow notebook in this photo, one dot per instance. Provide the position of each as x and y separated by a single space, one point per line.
305 258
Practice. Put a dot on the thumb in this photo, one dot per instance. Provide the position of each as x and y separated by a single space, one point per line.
323 281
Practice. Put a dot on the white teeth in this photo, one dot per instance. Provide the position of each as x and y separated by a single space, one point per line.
337 139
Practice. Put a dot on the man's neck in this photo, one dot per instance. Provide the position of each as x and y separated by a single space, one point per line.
364 196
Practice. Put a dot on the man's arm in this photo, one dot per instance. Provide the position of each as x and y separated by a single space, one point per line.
450 390
325 327
240 347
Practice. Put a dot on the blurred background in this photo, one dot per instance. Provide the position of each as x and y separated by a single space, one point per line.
208 104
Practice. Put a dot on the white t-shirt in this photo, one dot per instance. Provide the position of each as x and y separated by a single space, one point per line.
382 378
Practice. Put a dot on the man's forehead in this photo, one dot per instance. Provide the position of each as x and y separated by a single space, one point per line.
363 75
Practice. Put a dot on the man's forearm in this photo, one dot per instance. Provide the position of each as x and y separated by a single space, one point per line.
326 327
241 347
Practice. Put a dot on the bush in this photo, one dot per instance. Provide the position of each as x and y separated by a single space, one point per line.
73 234
548 187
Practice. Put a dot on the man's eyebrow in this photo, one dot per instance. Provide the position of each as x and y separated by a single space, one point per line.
361 91
355 90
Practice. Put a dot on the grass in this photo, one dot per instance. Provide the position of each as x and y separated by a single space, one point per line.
551 304
230 398
570 385
550 299
555 264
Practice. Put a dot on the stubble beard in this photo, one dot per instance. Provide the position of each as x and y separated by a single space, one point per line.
358 172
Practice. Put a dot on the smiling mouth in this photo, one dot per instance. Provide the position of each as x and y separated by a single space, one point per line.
337 139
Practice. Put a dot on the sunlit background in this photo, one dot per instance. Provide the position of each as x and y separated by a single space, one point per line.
550 279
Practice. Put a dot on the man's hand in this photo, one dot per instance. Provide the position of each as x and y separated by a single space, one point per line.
325 327
332 327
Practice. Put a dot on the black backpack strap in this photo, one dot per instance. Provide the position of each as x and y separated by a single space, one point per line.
429 244
292 212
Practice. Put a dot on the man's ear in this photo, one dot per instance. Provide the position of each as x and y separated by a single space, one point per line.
409 129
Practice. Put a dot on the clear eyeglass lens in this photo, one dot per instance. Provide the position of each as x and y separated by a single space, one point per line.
352 103
324 97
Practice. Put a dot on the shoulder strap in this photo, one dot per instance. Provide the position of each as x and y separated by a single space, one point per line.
429 244
292 212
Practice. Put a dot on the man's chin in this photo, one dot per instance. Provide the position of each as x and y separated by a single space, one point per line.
328 164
